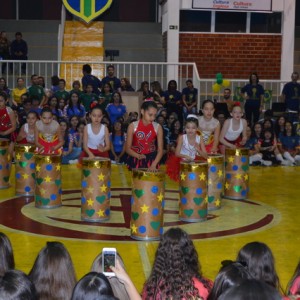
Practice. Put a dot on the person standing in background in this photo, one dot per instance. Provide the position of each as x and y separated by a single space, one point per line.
19 51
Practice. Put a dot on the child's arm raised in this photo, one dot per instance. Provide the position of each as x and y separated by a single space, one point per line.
223 133
160 148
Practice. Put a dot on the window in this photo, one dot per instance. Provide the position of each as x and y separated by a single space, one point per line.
191 20
230 21
265 23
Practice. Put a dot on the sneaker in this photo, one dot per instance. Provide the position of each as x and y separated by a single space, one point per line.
286 162
266 163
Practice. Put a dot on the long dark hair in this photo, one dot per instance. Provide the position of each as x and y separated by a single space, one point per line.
260 262
78 105
176 264
7 260
53 272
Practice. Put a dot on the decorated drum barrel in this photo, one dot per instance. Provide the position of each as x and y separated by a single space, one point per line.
47 181
5 164
236 173
25 169
95 192
193 191
215 181
147 204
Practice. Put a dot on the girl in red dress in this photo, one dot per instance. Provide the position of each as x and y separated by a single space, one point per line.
144 143
48 137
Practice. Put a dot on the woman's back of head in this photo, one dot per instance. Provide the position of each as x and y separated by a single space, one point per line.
53 272
251 290
91 287
6 254
260 262
15 285
230 275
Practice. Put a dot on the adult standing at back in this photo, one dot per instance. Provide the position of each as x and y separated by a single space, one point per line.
291 96
89 79
19 50
4 49
110 78
253 93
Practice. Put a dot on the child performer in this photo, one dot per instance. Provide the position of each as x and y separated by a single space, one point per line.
144 143
190 147
230 135
26 134
95 136
47 134
209 126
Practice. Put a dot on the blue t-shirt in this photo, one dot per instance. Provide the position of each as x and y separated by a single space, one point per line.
289 142
118 142
115 111
94 81
251 143
291 91
254 92
75 111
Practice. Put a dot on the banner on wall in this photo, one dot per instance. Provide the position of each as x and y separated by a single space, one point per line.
246 5
87 10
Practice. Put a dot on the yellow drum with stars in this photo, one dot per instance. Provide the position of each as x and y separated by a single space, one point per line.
147 204
5 164
25 169
236 174
47 181
95 192
193 191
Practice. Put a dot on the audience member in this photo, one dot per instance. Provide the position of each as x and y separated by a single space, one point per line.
62 93
189 99
54 84
231 274
88 78
259 260
279 126
53 273
114 82
290 95
88 98
126 85
147 94
116 108
227 99
4 50
19 50
18 91
251 290
7 261
176 272
36 90
74 107
253 93
117 140
16 285
3 87
157 94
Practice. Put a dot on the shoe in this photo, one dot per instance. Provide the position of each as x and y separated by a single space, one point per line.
266 163
286 162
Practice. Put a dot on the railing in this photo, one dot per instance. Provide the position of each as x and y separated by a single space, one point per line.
136 72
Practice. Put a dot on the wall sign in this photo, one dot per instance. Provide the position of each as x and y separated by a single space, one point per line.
87 10
246 5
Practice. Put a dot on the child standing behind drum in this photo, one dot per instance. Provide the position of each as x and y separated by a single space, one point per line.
95 136
26 134
232 130
144 143
189 146
47 134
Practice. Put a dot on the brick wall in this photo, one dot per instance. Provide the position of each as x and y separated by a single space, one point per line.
234 55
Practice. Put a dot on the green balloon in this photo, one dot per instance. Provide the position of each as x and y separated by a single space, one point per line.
219 80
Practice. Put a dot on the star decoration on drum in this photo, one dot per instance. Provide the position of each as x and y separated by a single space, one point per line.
133 228
227 185
145 208
25 176
238 176
47 178
42 191
246 176
160 197
103 188
90 202
231 159
218 202
90 189
202 176
182 176
58 167
220 173
100 177
18 156
100 213
38 168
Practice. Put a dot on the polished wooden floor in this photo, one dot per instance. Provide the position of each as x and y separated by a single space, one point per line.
270 215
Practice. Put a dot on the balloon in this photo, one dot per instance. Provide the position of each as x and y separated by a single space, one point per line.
216 88
226 83
219 78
